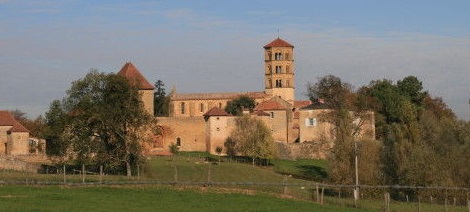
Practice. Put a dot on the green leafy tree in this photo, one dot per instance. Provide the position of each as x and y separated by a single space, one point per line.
332 90
161 100
252 138
105 121
56 119
236 106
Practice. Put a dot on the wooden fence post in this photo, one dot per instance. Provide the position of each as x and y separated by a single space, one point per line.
83 173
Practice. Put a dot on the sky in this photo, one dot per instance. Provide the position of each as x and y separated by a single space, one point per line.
217 46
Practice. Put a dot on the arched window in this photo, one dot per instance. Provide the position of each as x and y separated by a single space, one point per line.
270 69
178 141
270 83
287 56
278 56
182 107
288 69
278 83
278 69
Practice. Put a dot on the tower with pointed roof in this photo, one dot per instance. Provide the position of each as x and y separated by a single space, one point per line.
135 78
279 69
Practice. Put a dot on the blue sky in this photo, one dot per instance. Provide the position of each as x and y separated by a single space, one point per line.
212 46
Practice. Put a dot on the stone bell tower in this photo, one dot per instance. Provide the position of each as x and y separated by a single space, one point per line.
279 69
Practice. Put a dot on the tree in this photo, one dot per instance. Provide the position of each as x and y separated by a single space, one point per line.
35 126
161 100
236 106
105 120
252 138
332 90
57 144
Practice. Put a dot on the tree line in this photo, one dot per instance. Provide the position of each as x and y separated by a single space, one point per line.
419 140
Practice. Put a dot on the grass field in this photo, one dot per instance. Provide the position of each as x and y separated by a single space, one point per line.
55 198
186 169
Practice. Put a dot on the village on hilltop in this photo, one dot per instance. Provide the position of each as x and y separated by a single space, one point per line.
198 122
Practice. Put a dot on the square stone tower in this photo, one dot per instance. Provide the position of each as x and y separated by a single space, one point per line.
279 69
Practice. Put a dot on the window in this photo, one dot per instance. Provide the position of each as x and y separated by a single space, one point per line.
270 69
201 107
277 56
278 69
270 83
272 114
279 83
287 69
287 56
182 107
310 122
220 104
178 141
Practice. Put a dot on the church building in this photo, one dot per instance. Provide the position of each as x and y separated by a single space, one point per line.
198 122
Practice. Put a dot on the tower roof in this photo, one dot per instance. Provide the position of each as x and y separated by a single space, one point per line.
278 43
134 76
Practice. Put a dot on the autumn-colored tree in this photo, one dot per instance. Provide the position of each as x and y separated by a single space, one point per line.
251 138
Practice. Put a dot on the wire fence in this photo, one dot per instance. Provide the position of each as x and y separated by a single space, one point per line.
380 197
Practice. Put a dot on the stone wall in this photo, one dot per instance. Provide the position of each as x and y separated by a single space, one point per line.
23 163
309 150
189 132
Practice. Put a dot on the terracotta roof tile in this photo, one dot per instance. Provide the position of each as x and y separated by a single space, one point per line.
269 105
278 43
206 96
7 119
134 76
302 103
17 127
260 113
216 111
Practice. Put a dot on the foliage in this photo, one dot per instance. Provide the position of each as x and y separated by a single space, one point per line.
57 144
173 148
236 106
332 90
161 101
35 126
419 140
252 138
104 122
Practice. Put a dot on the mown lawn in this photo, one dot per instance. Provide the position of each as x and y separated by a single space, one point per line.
149 198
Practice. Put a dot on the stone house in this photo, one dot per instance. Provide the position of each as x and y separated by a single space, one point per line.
315 127
14 137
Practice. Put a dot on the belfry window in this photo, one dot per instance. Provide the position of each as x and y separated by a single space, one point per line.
279 83
277 56
182 107
278 69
